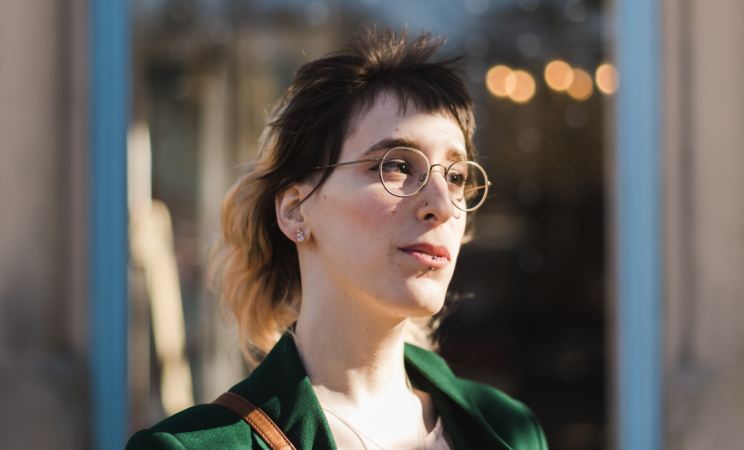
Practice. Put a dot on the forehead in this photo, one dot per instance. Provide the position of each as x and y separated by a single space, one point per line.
387 120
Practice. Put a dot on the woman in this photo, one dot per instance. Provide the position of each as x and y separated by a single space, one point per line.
336 249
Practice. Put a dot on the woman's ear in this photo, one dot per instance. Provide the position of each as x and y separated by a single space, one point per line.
289 214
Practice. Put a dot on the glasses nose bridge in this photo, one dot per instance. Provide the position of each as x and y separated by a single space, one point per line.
444 169
431 169
427 176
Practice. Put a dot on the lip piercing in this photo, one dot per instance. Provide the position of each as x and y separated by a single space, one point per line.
426 203
430 269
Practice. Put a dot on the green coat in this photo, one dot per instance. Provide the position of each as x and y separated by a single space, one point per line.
475 415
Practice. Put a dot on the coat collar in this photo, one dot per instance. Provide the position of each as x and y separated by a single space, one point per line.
460 414
281 388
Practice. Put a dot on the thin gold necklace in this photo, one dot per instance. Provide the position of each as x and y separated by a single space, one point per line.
359 432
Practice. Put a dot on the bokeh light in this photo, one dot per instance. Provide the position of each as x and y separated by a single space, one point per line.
496 80
607 78
520 86
558 75
582 85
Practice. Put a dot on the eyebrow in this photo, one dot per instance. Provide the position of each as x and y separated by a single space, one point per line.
388 143
453 154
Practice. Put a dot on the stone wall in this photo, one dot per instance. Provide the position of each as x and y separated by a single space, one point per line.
703 85
42 225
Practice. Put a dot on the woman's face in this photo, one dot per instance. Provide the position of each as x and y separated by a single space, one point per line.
376 248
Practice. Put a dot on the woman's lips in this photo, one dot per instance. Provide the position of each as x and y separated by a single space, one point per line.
432 256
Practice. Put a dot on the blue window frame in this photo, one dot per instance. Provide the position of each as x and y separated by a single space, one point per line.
638 225
109 65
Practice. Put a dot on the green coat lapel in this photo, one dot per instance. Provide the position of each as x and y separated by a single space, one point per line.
461 418
281 388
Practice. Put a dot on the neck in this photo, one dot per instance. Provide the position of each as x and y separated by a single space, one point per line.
351 346
350 351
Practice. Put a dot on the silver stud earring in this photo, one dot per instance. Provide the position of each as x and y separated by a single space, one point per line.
300 235
426 203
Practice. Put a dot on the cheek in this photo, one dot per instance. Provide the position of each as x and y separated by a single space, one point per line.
365 213
370 214
458 235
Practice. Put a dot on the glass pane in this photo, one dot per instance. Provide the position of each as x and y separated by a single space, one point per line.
531 283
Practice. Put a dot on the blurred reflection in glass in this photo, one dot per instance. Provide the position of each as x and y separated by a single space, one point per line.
207 72
559 75
607 78
520 86
581 87
496 80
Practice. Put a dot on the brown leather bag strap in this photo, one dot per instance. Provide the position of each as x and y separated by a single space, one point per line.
257 419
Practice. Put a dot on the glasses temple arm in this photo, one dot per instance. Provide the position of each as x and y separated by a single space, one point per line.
476 188
347 163
316 187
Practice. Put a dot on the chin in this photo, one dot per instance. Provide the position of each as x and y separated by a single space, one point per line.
423 298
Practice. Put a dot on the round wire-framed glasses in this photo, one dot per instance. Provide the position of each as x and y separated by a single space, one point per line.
405 171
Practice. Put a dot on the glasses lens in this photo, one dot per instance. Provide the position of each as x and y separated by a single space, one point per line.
403 171
468 185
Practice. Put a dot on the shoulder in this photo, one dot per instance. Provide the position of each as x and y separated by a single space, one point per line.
153 440
203 426
509 418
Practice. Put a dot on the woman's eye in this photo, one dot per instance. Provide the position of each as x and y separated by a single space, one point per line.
397 166
456 179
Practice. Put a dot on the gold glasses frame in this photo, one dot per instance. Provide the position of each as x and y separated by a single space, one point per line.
428 173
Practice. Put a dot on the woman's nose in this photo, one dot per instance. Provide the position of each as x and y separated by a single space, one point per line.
437 203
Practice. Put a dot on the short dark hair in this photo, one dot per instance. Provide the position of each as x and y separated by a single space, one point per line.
317 110
255 265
